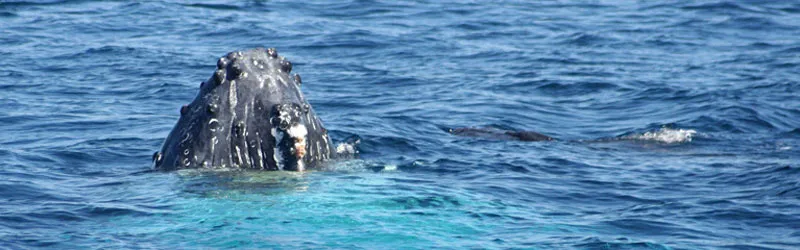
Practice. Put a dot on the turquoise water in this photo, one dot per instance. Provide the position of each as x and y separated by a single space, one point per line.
677 125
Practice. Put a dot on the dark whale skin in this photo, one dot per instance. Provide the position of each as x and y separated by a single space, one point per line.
250 114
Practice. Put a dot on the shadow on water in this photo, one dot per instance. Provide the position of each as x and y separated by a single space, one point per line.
231 184
227 183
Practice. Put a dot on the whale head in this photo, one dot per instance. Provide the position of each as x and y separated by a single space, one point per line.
250 114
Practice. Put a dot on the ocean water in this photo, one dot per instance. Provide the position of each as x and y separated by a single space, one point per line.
678 125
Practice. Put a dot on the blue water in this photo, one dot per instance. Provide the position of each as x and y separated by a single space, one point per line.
678 125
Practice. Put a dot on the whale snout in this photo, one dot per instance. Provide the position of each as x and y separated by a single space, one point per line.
251 113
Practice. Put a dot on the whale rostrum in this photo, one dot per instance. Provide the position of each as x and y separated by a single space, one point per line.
250 114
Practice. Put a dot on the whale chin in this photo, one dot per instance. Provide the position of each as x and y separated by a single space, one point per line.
250 114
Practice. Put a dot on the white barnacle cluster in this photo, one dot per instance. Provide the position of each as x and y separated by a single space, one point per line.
298 134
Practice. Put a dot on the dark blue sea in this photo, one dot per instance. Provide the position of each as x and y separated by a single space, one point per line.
677 125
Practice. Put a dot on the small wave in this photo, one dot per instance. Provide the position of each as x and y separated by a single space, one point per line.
29 3
722 7
576 89
791 9
586 39
358 165
665 135
112 50
214 6
617 243
751 23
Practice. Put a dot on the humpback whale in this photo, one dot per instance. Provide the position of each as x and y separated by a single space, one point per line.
250 114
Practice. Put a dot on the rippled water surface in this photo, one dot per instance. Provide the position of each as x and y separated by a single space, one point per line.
678 124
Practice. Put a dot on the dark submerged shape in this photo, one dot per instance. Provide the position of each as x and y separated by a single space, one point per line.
499 134
250 114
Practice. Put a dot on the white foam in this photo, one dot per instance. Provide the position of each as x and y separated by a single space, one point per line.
346 148
666 135
390 167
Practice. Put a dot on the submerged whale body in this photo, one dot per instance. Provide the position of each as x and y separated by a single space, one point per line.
499 134
250 114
